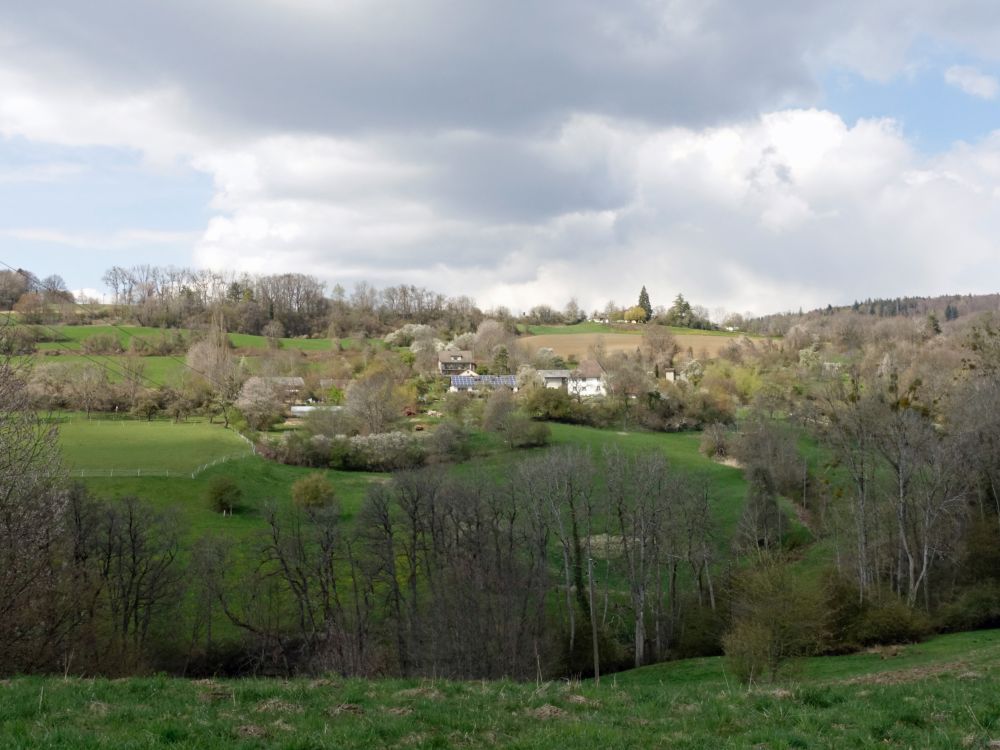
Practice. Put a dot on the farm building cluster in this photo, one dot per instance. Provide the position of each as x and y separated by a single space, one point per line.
587 379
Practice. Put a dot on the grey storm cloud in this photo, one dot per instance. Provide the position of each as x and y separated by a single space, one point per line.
441 64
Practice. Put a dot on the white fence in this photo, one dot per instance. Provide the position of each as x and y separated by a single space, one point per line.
129 472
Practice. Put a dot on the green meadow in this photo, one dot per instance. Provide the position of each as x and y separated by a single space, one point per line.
70 338
937 695
130 444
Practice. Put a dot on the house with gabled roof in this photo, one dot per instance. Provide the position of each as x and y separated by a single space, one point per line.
456 362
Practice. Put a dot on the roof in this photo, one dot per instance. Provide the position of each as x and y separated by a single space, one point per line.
553 373
491 381
454 355
588 369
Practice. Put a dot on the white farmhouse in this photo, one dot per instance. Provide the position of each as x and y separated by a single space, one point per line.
588 380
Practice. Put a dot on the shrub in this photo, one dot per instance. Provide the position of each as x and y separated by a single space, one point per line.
777 616
976 607
549 403
330 422
890 621
313 491
17 340
715 441
523 433
102 343
748 650
448 441
385 451
224 495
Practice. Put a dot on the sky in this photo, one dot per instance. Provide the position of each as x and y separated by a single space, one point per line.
754 155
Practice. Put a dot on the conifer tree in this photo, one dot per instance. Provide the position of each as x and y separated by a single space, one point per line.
644 303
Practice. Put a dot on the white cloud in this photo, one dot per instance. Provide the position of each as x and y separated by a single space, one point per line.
972 81
792 208
525 152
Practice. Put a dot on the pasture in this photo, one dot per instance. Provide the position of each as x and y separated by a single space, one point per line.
937 695
169 453
70 338
130 445
156 371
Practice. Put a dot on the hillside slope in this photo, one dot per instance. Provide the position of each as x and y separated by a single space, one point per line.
940 694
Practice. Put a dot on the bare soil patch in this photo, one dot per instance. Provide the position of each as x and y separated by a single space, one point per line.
547 712
276 705
903 676
579 345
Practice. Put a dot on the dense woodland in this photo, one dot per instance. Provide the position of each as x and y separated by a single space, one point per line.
869 441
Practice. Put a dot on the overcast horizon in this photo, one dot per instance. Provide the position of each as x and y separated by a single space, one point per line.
752 156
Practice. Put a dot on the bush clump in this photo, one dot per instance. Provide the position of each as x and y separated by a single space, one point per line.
313 491
384 451
715 441
888 622
102 343
224 495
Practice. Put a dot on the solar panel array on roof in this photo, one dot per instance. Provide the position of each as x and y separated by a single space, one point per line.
490 381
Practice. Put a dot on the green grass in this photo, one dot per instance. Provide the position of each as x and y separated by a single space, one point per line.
74 335
728 485
260 481
132 444
129 445
156 370
941 694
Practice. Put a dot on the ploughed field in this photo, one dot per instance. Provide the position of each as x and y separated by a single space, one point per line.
939 694
579 345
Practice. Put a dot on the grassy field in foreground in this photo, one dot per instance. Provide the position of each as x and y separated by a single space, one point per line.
941 694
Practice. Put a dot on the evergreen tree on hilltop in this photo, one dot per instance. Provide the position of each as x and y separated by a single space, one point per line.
679 313
644 303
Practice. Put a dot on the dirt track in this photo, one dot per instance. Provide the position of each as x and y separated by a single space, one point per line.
579 344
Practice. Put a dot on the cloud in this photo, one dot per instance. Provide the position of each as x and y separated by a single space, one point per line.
972 81
523 152
791 208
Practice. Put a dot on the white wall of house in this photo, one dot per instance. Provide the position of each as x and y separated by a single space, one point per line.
587 387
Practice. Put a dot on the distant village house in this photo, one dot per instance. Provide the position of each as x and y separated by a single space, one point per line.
455 362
